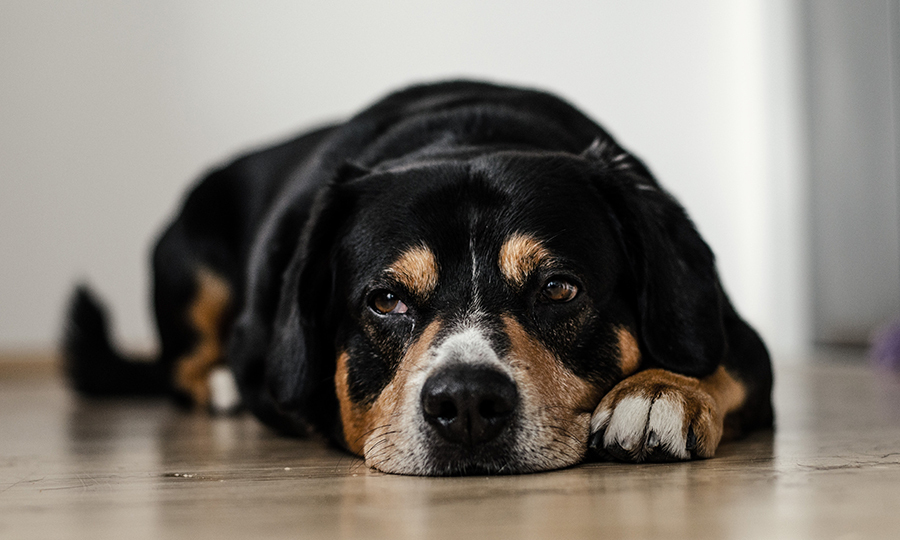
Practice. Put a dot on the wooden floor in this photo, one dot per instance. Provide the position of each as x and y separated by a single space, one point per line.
72 468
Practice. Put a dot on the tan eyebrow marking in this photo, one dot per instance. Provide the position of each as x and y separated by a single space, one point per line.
521 255
417 270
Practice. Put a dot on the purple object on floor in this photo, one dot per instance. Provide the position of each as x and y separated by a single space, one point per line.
885 349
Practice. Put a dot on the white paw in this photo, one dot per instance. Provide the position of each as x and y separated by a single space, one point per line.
224 395
656 415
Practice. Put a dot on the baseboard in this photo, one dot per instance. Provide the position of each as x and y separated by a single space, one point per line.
28 363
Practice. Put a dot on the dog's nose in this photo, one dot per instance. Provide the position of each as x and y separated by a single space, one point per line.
469 405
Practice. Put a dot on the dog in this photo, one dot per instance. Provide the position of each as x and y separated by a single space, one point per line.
464 278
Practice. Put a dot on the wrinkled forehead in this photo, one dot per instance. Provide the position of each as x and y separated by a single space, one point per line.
478 222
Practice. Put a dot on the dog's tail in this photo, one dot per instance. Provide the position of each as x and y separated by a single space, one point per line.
94 366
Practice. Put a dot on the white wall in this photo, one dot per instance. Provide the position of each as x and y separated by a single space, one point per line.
108 109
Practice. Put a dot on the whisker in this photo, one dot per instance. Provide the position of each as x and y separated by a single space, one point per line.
373 446
357 465
381 450
567 433
371 431
383 438
567 445
376 465
506 464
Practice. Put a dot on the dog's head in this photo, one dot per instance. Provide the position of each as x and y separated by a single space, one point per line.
466 315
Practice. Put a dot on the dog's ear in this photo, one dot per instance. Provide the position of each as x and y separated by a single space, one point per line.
279 350
300 361
680 299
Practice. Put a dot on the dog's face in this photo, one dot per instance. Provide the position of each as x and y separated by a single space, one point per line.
460 308
481 310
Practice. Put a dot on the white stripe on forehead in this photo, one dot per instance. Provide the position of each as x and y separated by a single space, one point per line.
476 301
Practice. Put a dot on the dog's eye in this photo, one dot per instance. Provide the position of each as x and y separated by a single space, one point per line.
387 303
558 290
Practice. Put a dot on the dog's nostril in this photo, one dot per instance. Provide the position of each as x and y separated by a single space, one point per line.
467 404
440 407
448 410
493 408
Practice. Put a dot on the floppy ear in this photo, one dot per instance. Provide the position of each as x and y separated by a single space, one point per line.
680 299
300 360
279 348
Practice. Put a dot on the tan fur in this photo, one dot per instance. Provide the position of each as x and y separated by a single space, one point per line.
728 393
629 351
352 420
521 255
417 270
559 399
365 424
205 315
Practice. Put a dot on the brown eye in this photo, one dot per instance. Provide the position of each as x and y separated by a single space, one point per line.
559 291
387 303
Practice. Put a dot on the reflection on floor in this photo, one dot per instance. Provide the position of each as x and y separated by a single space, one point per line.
72 468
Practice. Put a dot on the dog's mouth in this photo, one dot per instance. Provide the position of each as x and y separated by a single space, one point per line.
480 462
474 420
516 450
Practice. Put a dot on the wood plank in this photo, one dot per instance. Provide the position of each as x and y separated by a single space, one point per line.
79 468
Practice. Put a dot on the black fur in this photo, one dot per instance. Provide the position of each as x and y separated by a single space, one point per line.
299 231
93 366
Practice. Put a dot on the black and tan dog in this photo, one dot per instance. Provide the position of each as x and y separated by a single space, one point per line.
464 278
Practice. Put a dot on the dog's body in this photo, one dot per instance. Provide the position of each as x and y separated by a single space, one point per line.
463 278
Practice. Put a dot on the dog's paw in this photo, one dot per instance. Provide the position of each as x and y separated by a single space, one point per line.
224 396
656 415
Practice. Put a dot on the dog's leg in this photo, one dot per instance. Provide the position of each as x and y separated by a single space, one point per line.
194 302
200 372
